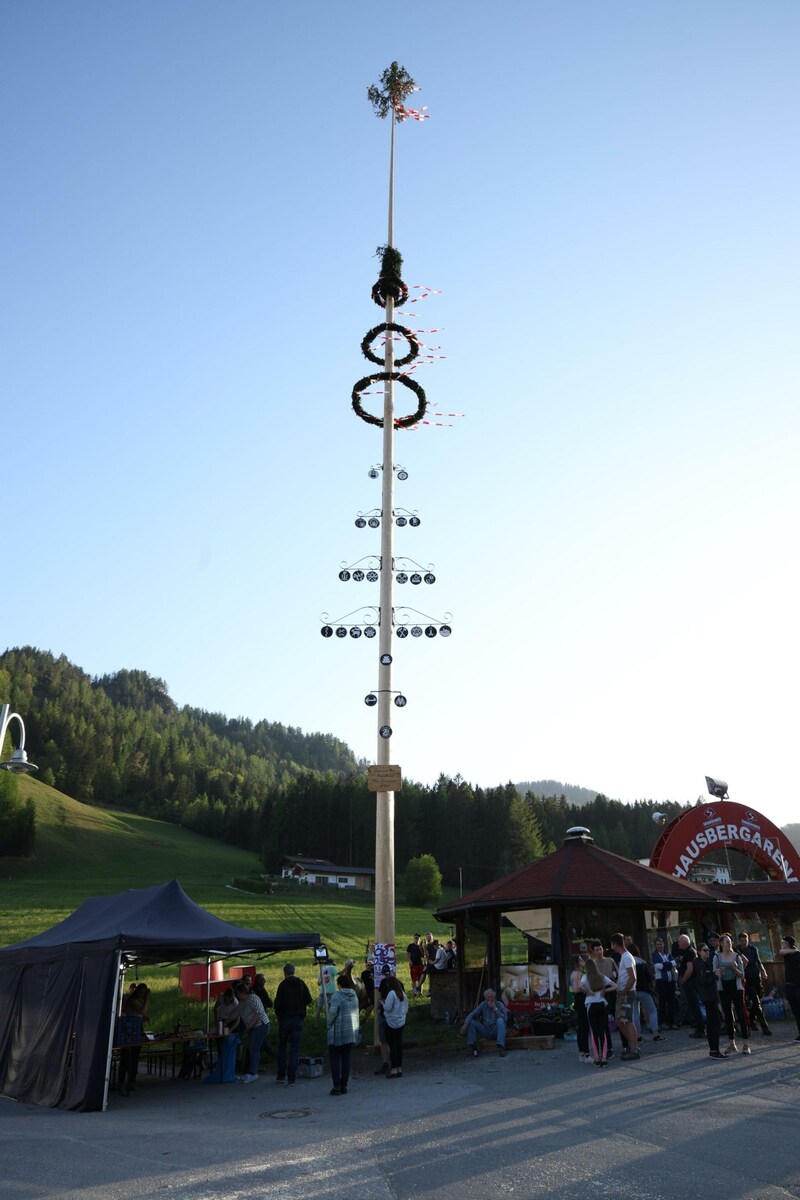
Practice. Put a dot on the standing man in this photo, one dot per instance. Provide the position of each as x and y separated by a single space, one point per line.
754 975
626 996
435 965
414 954
259 989
664 969
685 960
791 966
713 942
291 1001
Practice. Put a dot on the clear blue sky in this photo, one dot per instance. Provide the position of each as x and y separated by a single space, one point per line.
608 197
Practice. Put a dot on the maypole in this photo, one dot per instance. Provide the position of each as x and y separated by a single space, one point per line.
388 100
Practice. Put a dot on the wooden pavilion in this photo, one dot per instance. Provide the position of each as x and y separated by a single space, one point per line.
582 892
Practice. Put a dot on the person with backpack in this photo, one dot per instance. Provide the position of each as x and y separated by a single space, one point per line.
645 986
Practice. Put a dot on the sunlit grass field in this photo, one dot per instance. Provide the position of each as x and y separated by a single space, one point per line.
83 851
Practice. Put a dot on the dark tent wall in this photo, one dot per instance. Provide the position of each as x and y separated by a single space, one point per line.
58 989
55 1032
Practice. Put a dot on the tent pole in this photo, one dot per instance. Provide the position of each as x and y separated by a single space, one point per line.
112 1024
208 994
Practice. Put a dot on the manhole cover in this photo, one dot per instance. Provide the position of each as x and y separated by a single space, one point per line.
286 1114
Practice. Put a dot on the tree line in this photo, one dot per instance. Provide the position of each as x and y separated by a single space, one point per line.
120 741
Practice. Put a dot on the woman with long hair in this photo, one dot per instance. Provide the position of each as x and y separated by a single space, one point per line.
343 1034
579 998
395 1011
595 985
729 970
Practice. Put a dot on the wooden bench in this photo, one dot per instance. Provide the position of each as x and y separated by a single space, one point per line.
530 1042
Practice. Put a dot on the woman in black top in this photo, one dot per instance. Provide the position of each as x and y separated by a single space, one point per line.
706 982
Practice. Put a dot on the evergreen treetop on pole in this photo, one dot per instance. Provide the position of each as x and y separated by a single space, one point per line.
396 85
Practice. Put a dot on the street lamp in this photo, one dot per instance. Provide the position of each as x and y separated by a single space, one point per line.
18 763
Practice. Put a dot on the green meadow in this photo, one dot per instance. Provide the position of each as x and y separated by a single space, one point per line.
84 851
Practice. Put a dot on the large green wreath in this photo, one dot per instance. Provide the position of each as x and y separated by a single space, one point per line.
407 381
386 327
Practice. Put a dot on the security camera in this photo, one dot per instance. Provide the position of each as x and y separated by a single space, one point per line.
659 818
717 787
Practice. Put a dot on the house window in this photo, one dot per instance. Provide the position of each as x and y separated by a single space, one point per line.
343 879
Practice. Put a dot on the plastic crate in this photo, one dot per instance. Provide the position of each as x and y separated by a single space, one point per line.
309 1068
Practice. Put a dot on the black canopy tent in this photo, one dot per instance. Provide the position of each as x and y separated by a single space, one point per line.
59 991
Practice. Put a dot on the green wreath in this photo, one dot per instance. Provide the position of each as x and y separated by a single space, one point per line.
407 381
386 327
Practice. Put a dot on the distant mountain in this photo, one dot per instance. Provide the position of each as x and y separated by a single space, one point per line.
551 787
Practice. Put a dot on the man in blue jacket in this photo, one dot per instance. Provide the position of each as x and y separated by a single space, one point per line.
488 1021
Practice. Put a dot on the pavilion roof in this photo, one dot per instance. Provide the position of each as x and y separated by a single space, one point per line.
580 872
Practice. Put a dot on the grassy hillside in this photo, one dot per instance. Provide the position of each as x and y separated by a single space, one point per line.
84 851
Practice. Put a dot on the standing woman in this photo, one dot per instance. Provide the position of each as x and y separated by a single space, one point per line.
579 996
134 1006
395 1011
729 970
228 1025
706 978
343 1033
253 1018
595 985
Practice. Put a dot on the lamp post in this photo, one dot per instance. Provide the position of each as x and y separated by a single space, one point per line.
18 763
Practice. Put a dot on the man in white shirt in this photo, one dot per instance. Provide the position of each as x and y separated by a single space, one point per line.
626 995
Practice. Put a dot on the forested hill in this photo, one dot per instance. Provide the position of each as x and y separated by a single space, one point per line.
120 740
550 787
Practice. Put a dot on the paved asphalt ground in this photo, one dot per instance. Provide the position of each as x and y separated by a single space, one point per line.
534 1124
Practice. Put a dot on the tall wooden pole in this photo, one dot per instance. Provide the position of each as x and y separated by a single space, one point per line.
384 816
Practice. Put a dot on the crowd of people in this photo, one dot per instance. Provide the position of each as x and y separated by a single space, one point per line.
712 987
344 1000
427 958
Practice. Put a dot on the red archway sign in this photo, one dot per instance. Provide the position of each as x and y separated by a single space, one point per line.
694 834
